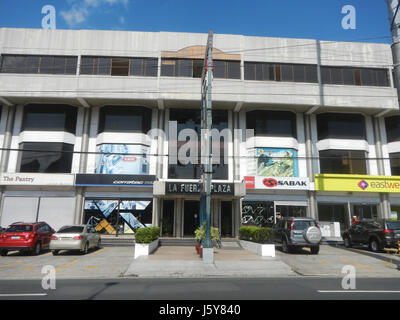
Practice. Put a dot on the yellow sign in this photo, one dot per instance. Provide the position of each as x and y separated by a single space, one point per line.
357 183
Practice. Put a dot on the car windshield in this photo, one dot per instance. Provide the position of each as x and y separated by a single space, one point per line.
71 229
20 228
393 225
303 224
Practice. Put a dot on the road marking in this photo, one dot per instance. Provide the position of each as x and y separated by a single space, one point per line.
323 262
67 265
91 267
102 250
358 264
359 291
22 294
29 268
11 264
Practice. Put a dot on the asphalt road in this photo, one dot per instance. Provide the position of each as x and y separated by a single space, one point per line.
304 288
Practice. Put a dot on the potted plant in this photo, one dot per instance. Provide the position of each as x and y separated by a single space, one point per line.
200 234
167 226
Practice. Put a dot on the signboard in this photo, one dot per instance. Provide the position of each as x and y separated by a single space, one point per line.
357 183
36 179
122 159
195 188
276 162
117 180
277 183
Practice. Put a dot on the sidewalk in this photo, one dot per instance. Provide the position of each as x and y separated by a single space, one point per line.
184 262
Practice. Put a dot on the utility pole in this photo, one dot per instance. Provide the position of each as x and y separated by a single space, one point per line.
394 20
206 158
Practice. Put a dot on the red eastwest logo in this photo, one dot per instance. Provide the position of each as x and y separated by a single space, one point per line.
270 182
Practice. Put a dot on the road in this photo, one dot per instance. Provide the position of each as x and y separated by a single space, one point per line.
305 288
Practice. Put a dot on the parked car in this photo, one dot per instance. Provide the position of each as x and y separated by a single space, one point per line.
377 234
296 233
25 237
75 237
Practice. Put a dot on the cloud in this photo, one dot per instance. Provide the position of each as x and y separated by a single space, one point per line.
80 9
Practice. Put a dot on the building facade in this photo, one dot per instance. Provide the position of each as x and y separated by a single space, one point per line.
86 134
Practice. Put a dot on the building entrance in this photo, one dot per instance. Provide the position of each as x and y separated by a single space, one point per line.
191 220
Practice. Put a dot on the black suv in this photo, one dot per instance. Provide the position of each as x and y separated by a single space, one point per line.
377 234
296 233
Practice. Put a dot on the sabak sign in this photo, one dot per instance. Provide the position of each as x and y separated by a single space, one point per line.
195 188
277 183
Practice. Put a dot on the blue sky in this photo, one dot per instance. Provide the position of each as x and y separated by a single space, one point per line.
316 19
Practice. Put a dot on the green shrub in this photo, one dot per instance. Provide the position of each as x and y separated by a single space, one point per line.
255 234
200 233
147 235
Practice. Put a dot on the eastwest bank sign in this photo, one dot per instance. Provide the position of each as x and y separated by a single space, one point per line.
277 183
357 183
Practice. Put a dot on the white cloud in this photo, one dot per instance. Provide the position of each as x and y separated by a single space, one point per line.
79 11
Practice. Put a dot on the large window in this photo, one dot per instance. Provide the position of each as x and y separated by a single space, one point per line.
272 123
343 161
39 64
280 72
45 157
124 119
340 126
119 66
193 68
393 128
355 76
395 163
190 119
49 118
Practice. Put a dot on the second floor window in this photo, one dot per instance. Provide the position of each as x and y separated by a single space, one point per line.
343 162
340 126
355 76
272 123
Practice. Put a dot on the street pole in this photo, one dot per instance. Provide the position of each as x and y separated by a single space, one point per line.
394 20
206 114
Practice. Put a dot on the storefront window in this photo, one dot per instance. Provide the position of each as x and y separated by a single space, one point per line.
333 213
365 212
45 157
168 218
258 213
343 161
122 216
291 211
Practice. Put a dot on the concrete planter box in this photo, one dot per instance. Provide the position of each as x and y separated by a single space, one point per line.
265 250
144 249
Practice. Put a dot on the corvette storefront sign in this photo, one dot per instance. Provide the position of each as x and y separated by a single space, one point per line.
357 183
277 183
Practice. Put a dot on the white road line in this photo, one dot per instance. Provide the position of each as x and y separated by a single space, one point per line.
22 294
359 291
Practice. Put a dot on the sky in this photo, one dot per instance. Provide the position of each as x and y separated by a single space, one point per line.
310 19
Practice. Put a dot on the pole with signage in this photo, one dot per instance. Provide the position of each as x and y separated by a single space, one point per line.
206 121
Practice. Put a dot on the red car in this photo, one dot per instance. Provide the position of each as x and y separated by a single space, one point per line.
25 237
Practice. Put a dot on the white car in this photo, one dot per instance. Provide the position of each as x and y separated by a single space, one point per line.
74 237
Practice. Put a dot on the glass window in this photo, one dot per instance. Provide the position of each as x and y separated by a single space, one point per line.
185 68
189 118
326 75
12 64
336 76
125 119
87 65
343 162
368 77
32 64
20 228
102 66
119 66
332 213
233 69
137 67
395 163
348 76
340 126
50 118
219 69
287 72
382 78
272 123
168 67
71 229
150 67
45 157
250 71
299 73
311 74
392 128
197 68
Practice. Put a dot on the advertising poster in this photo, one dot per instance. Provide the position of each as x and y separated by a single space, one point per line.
276 162
122 159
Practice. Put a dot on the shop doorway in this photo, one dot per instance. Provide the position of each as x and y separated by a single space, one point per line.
191 220
118 216
333 213
226 219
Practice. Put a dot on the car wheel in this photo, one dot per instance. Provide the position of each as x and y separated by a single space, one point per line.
37 249
85 248
347 242
55 252
315 250
4 253
374 245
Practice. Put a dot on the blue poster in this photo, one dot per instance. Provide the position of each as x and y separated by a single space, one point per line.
277 162
122 159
